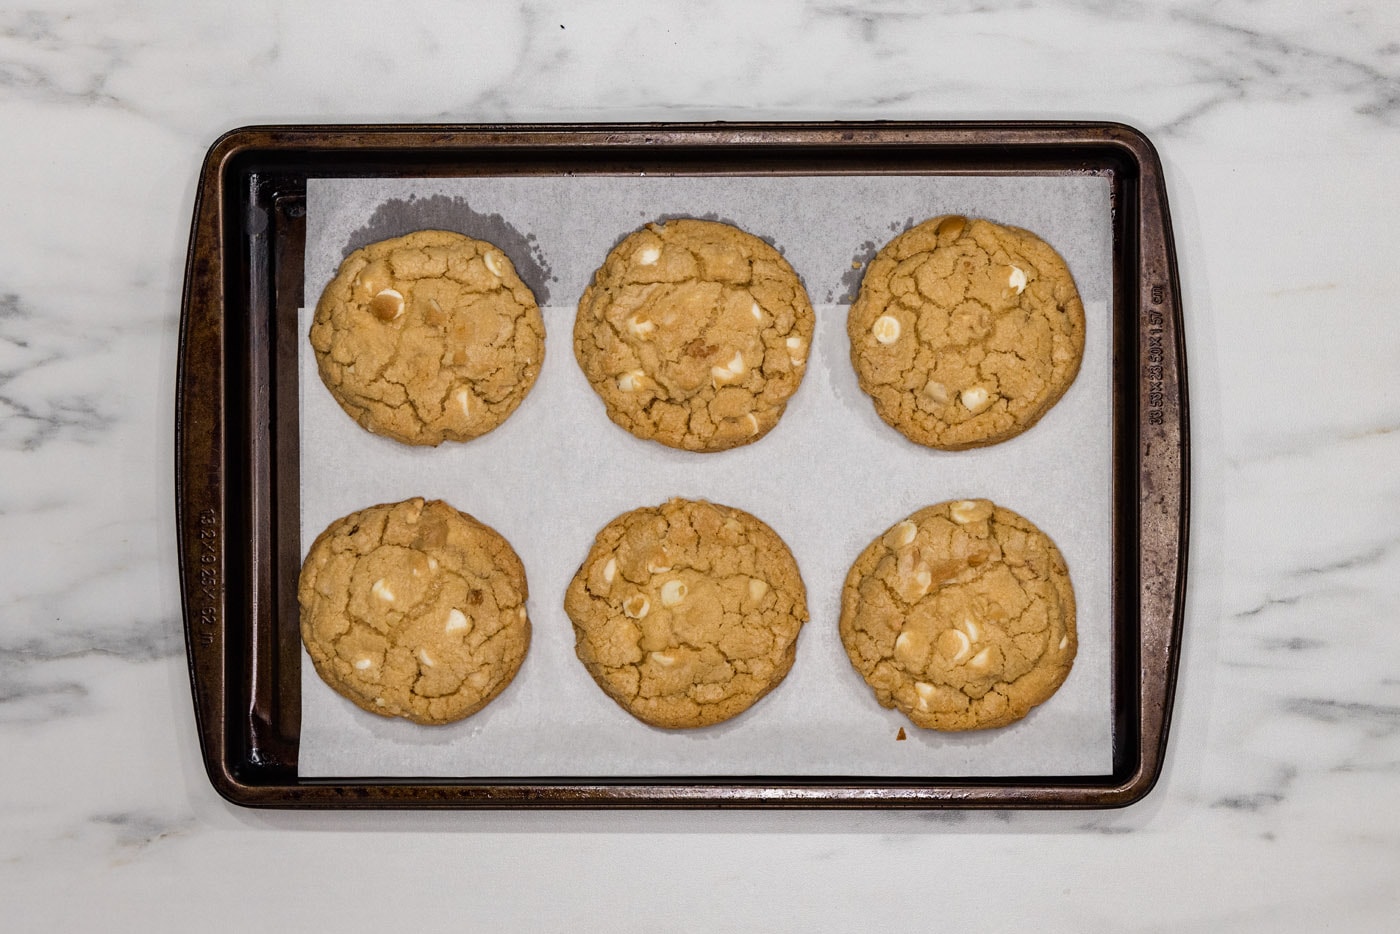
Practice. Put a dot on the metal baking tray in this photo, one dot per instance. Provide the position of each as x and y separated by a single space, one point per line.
237 483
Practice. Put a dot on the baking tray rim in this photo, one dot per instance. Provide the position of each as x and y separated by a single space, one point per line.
206 631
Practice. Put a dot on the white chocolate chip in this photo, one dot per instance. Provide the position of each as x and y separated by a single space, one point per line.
379 702
631 380
902 534
752 421
663 659
648 255
936 392
971 628
731 371
1017 279
456 620
463 397
636 606
362 663
886 329
975 398
923 577
951 226
1064 641
981 659
493 263
372 277
757 588
381 590
610 571
797 351
673 593
970 510
387 304
658 564
756 312
520 612
640 327
925 692
915 578
960 647
425 658
432 564
911 648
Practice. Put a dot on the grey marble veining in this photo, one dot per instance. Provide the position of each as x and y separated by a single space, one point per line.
1278 126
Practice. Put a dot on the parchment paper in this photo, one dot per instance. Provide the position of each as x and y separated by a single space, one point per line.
828 479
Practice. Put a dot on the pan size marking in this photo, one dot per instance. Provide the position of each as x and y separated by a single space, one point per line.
1156 356
207 577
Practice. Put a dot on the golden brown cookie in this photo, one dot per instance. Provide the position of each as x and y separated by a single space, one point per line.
429 337
966 332
687 613
695 334
961 616
414 610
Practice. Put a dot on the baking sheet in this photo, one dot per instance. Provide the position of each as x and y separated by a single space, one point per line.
828 479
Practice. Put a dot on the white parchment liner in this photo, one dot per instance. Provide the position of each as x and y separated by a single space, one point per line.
828 479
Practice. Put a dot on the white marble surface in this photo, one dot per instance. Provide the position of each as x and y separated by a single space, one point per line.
1279 125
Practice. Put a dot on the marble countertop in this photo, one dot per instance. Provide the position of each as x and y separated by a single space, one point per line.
1279 128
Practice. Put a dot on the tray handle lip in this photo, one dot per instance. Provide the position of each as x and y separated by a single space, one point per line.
253 137
202 320
1172 478
331 794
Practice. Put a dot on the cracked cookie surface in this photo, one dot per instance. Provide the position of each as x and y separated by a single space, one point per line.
687 613
414 610
962 616
966 332
428 337
694 334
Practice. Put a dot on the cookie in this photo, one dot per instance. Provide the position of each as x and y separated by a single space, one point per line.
966 332
414 610
687 613
429 337
695 334
961 616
